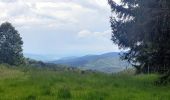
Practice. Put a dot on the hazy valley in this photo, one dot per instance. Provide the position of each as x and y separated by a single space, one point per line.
108 62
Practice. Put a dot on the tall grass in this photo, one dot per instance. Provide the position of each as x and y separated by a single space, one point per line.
39 84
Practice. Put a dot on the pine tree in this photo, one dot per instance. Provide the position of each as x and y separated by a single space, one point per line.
142 26
10 45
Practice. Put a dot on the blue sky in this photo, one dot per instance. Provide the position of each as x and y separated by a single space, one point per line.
61 27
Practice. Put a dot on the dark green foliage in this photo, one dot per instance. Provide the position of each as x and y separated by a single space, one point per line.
31 97
64 93
10 45
143 27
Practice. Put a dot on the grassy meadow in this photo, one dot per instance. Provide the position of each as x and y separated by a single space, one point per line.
19 83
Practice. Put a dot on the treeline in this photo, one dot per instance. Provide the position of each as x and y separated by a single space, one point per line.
143 28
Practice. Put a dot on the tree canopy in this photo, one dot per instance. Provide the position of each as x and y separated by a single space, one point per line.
10 45
143 28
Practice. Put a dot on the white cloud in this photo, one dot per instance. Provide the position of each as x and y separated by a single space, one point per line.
50 26
84 33
42 11
54 13
89 34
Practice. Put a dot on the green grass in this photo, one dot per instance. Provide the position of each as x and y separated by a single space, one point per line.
39 84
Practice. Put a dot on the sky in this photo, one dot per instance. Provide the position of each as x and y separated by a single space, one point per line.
61 27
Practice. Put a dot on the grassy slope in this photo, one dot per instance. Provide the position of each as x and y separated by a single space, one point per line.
17 84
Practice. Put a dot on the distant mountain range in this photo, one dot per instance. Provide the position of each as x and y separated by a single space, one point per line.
39 57
108 62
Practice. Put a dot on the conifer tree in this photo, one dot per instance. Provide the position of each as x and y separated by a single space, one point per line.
143 28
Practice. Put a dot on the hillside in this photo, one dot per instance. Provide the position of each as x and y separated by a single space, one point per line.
26 83
108 62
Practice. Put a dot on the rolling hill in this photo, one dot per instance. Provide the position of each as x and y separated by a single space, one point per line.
108 62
